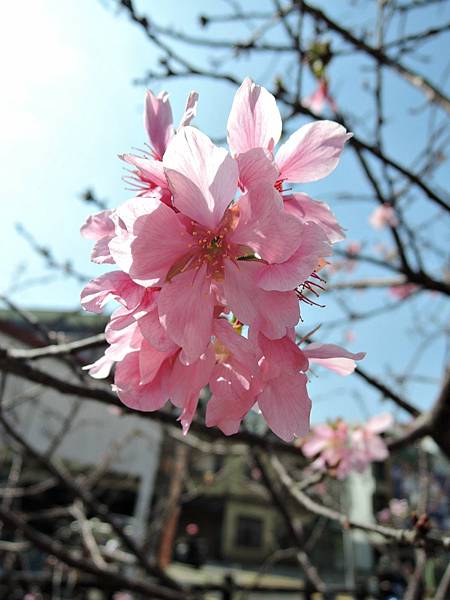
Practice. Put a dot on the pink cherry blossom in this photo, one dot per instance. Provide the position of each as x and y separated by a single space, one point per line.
353 248
115 285
332 357
100 228
383 216
234 381
344 449
312 211
319 98
309 154
367 444
208 245
282 396
330 445
403 291
284 400
399 507
194 254
397 510
384 515
350 335
148 174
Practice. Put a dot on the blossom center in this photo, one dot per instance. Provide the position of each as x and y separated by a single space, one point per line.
213 247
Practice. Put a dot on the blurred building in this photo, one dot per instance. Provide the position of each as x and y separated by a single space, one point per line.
204 506
89 435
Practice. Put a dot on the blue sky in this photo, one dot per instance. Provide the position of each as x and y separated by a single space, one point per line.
68 108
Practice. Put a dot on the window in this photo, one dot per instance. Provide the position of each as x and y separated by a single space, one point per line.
249 532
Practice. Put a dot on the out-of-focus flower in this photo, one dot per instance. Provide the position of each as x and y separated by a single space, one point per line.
320 98
342 449
383 216
403 291
192 529
367 444
330 445
399 507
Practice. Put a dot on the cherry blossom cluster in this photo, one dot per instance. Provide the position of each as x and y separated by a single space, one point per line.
212 257
341 448
396 511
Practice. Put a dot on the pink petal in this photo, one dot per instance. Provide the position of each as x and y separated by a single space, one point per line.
403 291
147 317
341 366
101 253
190 110
149 170
230 401
101 368
98 225
186 383
312 152
344 468
160 241
256 166
111 286
383 216
124 219
123 336
281 356
319 98
158 121
313 211
285 405
313 445
377 449
265 226
379 423
150 362
202 177
240 348
333 357
186 307
148 397
297 268
272 313
254 120
126 215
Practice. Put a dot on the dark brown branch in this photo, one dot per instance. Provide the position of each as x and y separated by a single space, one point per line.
387 392
54 548
190 69
421 36
98 508
295 533
433 93
418 429
413 590
404 536
433 423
